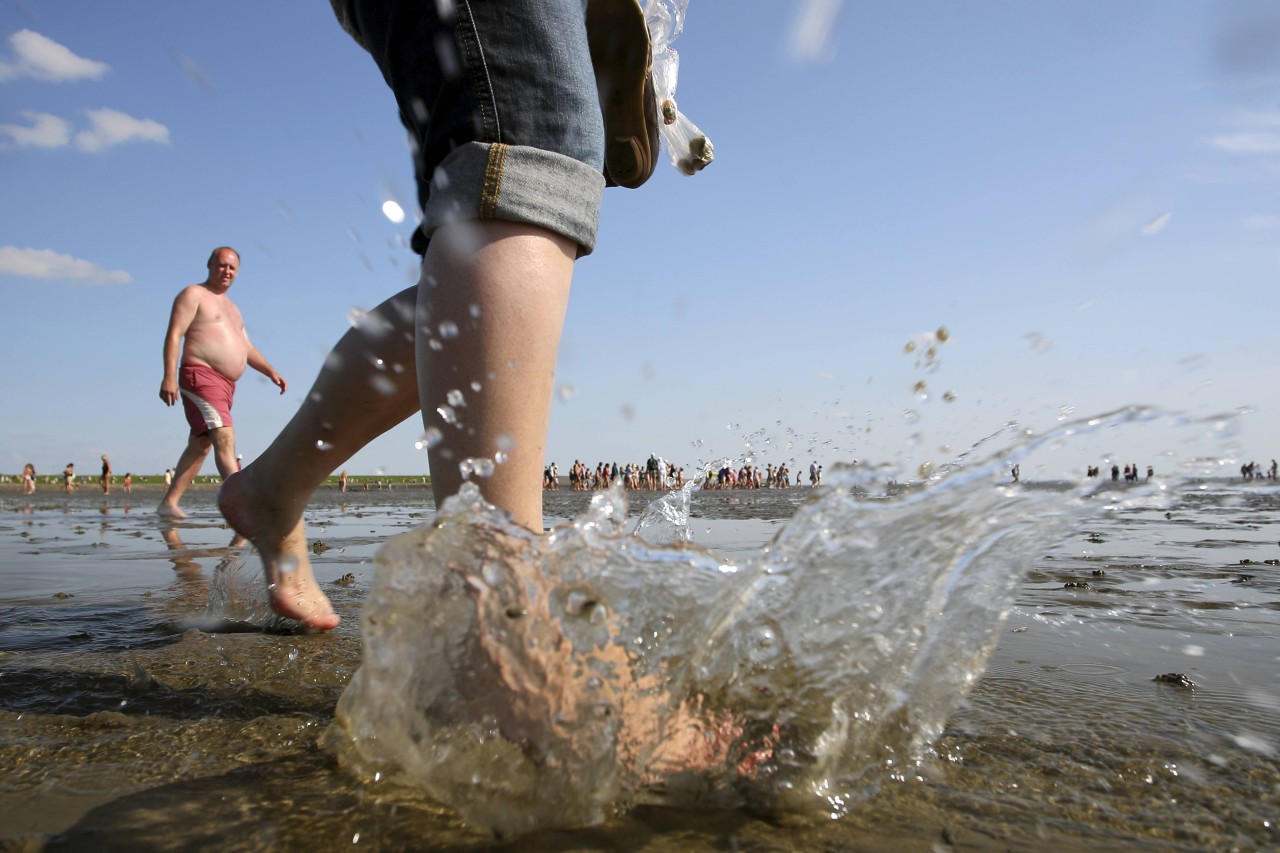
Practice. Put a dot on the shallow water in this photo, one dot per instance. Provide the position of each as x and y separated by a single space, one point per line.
120 725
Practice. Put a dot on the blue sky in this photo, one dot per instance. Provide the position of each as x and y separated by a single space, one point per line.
1085 194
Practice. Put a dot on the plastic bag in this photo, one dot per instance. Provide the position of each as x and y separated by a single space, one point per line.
688 147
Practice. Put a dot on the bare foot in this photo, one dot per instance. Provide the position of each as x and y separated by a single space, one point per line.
168 509
281 541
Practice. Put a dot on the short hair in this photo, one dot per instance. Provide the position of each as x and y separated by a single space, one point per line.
213 256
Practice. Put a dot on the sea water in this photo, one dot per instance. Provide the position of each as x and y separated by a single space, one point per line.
806 658
534 682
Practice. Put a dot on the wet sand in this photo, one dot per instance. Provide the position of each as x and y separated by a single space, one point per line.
120 729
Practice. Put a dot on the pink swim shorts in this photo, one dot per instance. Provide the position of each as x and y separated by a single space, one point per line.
206 397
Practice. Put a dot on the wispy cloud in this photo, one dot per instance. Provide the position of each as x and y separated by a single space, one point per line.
1255 142
111 127
107 127
48 265
41 58
43 131
1263 222
1250 132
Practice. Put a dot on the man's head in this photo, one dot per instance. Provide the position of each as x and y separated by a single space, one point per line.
224 265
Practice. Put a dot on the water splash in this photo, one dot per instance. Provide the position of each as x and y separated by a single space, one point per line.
430 437
547 681
238 597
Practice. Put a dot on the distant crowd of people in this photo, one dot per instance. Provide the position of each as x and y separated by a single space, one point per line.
657 474
1253 471
69 483
1131 472
653 475
751 477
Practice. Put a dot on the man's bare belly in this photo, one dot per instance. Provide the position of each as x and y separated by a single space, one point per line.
230 364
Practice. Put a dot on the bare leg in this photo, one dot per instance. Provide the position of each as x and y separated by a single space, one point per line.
188 466
505 287
224 450
351 403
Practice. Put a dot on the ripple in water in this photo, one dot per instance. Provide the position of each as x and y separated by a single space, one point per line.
548 681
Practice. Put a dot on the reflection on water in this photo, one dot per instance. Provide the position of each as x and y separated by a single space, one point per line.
113 726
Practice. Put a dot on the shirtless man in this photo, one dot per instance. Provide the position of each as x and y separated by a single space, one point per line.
205 326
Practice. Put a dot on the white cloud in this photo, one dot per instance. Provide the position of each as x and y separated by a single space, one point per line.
48 265
1247 143
44 131
42 58
112 127
107 127
1262 222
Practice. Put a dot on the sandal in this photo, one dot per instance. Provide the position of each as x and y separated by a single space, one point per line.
622 57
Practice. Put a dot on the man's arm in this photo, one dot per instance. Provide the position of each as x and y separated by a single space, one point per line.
184 310
259 363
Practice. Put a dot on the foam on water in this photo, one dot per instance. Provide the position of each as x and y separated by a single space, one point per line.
547 681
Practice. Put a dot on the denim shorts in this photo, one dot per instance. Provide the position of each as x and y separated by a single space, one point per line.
500 102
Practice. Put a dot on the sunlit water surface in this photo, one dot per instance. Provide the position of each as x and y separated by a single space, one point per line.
817 671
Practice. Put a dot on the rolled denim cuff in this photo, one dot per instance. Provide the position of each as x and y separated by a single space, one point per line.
517 183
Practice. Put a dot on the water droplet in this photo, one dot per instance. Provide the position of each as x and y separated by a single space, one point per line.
355 317
447 414
333 361
500 458
393 211
566 392
448 330
456 400
476 386
474 311
321 444
288 565
908 415
429 439
435 344
505 443
697 442
764 644
475 466
949 396
1037 342
384 385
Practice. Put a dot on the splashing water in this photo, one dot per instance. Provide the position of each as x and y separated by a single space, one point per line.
430 437
238 597
476 466
547 681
